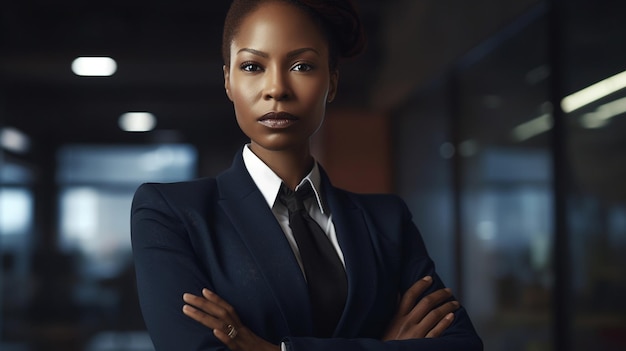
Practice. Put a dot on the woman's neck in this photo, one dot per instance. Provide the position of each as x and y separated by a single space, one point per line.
290 165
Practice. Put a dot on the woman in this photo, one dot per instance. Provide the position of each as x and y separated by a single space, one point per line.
231 247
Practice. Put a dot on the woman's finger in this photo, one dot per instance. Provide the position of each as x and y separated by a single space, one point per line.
220 314
224 310
429 303
411 295
200 316
201 303
436 315
443 324
215 298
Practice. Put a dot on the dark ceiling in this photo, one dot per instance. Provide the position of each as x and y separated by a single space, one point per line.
169 62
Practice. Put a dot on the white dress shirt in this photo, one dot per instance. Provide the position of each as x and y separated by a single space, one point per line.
269 184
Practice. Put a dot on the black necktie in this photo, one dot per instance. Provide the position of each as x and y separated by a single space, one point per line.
325 275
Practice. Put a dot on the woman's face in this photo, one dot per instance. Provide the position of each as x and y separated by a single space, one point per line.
279 78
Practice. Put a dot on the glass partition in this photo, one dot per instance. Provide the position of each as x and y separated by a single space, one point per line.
502 197
78 292
505 193
595 105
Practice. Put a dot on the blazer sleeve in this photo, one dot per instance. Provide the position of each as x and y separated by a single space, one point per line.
416 263
166 267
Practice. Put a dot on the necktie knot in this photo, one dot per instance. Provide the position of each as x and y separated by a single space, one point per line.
294 200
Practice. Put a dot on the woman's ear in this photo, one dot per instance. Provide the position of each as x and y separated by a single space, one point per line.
226 70
332 87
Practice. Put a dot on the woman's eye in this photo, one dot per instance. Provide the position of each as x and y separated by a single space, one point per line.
302 67
250 67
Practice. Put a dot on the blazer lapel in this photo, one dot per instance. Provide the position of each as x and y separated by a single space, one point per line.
353 236
254 221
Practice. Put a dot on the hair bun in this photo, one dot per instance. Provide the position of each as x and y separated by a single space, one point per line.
344 24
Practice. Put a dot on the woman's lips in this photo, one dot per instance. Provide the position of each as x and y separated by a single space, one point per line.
278 119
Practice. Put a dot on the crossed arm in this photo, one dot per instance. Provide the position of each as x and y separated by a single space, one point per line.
424 318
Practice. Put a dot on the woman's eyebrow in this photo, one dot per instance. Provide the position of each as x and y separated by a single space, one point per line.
297 52
290 54
254 52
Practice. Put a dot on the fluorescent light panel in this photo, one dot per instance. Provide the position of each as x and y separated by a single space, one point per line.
137 121
94 66
594 92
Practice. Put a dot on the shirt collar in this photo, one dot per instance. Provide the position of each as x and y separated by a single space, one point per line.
269 183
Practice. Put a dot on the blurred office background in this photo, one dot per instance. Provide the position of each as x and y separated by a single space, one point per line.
502 124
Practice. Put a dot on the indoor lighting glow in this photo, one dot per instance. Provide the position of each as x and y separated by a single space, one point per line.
468 148
446 150
94 66
533 127
137 122
594 92
14 140
601 116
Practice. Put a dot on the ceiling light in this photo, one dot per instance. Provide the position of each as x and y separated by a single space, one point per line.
592 121
94 66
137 122
14 140
533 127
594 92
601 116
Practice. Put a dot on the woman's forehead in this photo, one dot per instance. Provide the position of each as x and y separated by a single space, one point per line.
278 26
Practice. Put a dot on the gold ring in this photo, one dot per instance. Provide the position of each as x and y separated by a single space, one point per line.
231 331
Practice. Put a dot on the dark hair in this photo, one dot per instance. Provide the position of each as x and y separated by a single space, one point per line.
337 19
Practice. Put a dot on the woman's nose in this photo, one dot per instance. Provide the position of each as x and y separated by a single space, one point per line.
276 86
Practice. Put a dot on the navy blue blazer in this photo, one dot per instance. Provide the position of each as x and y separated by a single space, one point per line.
220 234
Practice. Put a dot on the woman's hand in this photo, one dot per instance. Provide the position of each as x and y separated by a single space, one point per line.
215 313
427 318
